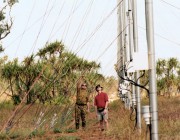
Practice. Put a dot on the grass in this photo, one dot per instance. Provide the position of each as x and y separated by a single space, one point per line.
69 138
120 125
57 130
169 120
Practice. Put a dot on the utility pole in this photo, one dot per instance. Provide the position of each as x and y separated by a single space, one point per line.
152 69
120 50
137 75
131 43
124 18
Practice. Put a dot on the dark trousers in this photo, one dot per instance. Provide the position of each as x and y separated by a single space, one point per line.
80 113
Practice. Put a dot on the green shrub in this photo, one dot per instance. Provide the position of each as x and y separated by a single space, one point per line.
71 130
14 135
69 138
16 99
57 130
36 133
3 136
6 105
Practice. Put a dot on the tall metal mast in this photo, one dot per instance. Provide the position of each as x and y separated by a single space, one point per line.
137 75
120 50
152 69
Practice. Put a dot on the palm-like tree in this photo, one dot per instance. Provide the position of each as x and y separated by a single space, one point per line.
61 69
51 49
166 70
10 72
160 67
172 65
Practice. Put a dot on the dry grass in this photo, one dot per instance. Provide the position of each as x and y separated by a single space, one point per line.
169 120
120 125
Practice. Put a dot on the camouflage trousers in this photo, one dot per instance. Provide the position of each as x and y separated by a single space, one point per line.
80 113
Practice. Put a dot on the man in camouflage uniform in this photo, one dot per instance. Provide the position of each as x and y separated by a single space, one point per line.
82 103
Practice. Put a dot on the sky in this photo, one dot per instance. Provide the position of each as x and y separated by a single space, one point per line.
89 29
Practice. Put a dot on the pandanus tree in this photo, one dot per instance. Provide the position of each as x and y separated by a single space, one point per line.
64 67
166 71
160 73
10 71
178 78
30 71
74 67
57 71
50 55
172 64
21 77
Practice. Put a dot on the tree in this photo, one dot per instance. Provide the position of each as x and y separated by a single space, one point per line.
160 73
6 22
10 72
57 70
160 67
172 65
63 68
166 73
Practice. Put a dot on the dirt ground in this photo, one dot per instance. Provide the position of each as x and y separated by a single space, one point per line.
92 131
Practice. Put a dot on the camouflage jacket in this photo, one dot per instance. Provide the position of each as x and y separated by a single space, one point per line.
82 97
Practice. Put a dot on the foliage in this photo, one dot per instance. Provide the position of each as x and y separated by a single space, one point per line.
16 99
160 85
71 130
14 135
3 136
167 74
5 23
37 133
6 105
57 130
21 77
61 100
69 138
49 76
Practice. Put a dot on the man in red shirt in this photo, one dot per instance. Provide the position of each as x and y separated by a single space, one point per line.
101 107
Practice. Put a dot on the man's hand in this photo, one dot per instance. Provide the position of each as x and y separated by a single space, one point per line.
105 111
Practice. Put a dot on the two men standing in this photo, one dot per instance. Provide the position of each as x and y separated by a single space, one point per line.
82 105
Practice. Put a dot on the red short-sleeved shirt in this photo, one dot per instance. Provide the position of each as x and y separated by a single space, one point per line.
100 100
